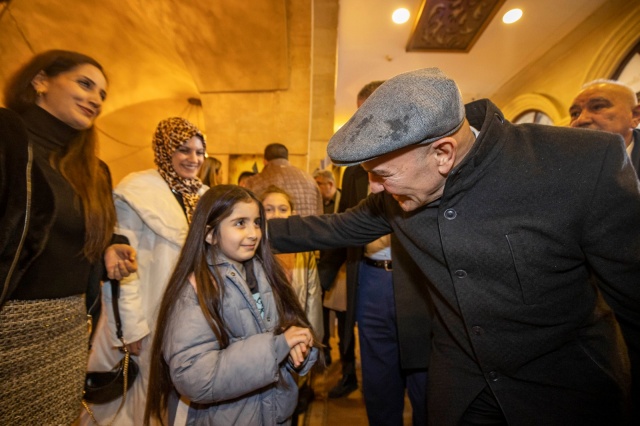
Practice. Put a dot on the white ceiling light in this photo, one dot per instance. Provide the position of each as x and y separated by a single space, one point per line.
400 16
512 16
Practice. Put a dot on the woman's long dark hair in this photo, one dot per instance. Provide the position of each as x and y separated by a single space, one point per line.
214 206
79 163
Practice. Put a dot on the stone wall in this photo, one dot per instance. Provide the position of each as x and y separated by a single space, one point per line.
263 70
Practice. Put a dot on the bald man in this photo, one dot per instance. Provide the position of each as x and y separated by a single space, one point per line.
613 107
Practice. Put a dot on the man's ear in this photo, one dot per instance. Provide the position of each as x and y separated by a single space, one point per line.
40 82
210 238
445 154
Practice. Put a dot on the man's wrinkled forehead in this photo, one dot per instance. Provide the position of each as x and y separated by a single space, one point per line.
374 169
385 164
585 99
609 93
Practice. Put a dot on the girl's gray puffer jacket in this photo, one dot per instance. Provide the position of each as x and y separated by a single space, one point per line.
247 383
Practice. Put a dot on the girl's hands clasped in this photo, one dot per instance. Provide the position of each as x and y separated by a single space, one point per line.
300 341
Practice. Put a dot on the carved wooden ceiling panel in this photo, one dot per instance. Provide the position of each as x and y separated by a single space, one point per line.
451 25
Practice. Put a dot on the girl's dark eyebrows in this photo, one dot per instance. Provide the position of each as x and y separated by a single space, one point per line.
242 218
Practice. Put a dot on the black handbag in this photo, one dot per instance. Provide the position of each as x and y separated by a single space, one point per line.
105 386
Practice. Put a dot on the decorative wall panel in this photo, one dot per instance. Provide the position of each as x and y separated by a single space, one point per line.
451 25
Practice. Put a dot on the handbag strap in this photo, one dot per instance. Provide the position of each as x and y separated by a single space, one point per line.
115 295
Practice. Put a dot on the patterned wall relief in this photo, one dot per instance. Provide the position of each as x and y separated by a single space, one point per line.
451 25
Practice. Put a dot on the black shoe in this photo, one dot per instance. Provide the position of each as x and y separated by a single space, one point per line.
347 385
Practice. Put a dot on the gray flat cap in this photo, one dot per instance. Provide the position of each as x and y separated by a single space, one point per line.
420 106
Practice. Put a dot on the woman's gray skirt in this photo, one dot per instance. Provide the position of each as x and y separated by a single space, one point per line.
43 360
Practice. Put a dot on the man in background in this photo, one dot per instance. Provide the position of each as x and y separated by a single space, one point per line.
297 183
330 199
394 326
328 190
610 106
242 179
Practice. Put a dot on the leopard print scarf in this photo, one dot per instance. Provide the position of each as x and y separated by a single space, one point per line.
170 135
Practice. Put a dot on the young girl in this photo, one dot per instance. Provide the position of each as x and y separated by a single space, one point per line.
300 268
302 272
230 330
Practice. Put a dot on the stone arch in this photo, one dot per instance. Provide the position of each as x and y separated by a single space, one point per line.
534 101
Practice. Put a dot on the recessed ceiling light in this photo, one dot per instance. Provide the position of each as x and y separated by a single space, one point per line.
512 16
400 16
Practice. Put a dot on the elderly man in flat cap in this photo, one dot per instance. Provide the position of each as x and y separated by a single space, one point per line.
527 235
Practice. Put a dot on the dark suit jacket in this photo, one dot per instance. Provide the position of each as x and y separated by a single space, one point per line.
413 314
511 250
635 153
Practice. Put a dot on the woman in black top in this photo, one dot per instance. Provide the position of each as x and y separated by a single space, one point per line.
57 220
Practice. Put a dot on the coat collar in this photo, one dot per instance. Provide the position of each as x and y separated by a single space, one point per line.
229 270
149 196
226 265
635 153
47 131
489 120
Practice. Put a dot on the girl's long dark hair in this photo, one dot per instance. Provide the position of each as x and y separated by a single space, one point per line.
213 207
79 163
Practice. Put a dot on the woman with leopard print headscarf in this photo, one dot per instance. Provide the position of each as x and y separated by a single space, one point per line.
154 208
